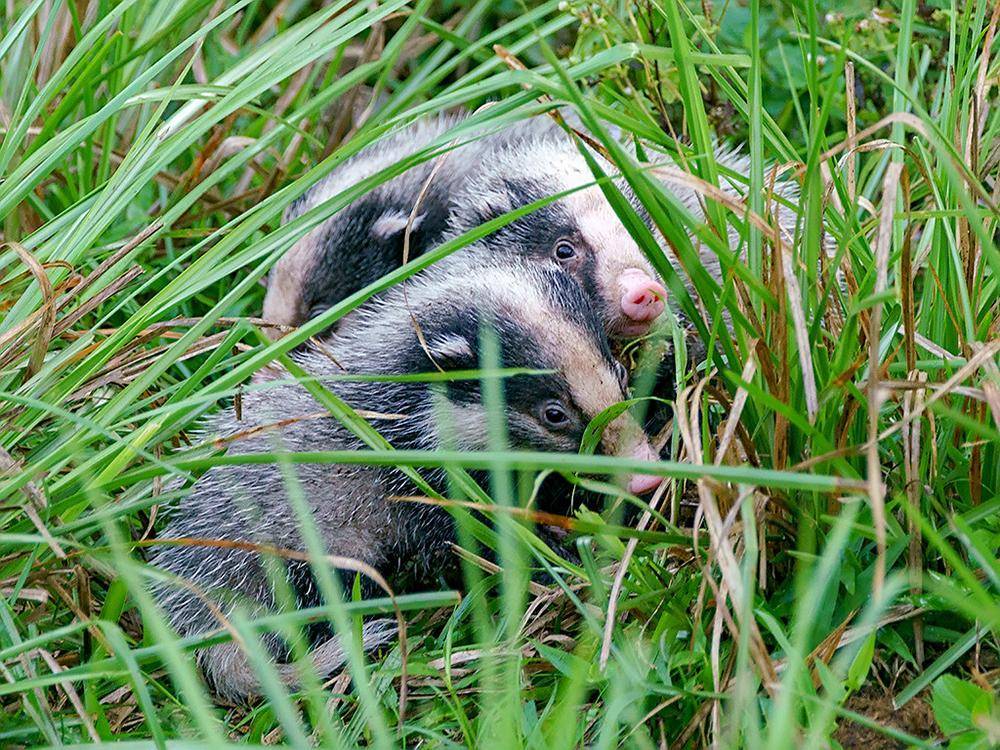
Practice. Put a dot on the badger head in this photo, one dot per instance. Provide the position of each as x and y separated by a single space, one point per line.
540 320
580 233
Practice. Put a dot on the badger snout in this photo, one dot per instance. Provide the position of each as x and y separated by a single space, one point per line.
642 300
625 438
640 484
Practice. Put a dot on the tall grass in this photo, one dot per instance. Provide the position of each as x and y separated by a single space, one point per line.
825 547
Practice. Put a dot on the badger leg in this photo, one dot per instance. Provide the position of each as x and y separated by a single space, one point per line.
228 669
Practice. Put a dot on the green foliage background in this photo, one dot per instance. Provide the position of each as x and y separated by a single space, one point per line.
830 577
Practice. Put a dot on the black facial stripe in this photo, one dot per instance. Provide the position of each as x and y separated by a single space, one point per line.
457 322
523 190
525 392
518 192
578 297
536 232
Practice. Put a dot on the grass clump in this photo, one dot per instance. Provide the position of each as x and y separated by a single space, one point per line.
821 567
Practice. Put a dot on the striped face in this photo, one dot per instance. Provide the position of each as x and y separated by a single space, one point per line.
580 233
542 321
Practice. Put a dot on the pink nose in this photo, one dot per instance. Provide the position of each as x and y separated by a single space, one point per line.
642 297
640 484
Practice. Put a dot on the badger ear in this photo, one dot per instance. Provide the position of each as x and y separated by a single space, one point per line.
452 351
393 223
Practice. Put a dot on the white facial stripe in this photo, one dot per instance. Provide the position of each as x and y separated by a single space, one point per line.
554 162
594 387
589 200
392 223
593 384
591 381
613 247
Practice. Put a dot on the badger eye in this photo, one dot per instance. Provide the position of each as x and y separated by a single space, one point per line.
564 250
554 414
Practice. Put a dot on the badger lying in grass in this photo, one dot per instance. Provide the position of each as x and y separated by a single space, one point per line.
477 182
480 181
542 320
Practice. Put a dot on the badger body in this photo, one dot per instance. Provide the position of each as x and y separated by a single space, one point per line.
541 320
486 177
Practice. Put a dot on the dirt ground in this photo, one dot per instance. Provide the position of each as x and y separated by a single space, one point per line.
914 718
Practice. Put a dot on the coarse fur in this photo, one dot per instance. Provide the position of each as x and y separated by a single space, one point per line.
541 320
482 180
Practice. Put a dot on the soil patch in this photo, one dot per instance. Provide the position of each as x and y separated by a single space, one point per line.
915 718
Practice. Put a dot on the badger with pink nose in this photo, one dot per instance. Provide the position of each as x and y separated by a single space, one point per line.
539 319
490 175
578 232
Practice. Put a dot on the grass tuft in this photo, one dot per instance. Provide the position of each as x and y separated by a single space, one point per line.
819 567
